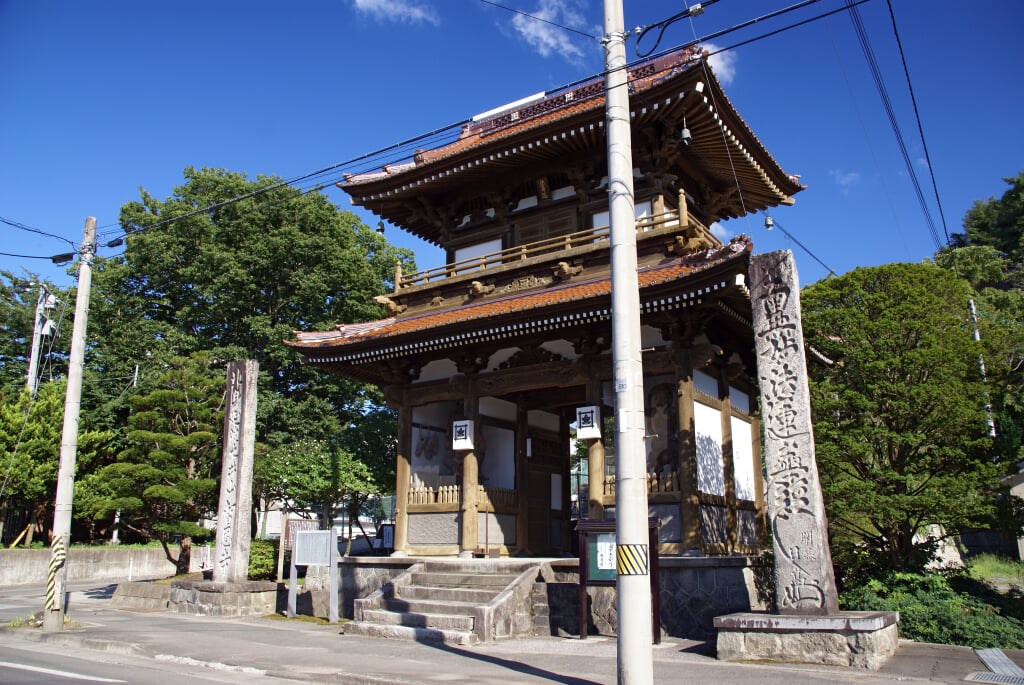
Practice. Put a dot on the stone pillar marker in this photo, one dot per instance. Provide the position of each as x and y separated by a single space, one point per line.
231 555
808 627
230 593
804 579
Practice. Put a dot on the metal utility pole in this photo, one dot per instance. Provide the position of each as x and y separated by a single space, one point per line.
56 580
633 589
43 326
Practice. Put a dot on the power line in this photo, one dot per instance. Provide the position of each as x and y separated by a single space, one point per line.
917 115
546 21
876 75
23 227
769 222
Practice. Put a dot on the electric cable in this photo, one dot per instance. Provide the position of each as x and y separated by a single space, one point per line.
867 138
546 21
917 115
883 93
690 12
23 227
789 235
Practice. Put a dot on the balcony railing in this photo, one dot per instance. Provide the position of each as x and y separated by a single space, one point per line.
666 222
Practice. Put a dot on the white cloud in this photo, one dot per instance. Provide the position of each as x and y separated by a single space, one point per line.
398 10
720 232
845 179
547 39
723 64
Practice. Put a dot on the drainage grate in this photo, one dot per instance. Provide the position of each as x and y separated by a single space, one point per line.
985 677
997 662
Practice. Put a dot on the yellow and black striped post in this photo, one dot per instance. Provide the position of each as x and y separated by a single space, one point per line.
58 555
632 560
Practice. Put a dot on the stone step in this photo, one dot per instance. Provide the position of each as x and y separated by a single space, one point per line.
437 621
443 579
397 632
448 594
423 606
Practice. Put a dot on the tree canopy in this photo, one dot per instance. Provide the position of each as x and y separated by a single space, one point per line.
899 415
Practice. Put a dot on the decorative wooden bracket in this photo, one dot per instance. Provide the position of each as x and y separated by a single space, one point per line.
393 307
478 289
564 270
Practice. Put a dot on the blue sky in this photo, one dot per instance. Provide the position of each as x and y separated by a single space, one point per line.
101 98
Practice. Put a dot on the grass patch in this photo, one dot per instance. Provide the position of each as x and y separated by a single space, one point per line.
995 569
36 621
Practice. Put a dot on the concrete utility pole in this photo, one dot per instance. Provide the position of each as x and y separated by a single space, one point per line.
633 588
56 580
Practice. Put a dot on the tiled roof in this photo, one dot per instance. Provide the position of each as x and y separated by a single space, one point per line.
555 106
348 334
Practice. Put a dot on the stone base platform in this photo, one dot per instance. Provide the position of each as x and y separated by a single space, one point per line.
862 639
207 598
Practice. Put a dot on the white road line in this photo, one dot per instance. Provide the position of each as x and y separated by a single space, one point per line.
62 674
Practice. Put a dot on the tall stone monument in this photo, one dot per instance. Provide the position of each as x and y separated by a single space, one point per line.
808 626
231 593
804 579
231 555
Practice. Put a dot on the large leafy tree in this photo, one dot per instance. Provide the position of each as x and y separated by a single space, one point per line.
202 270
989 254
18 297
30 441
899 415
997 223
164 484
237 279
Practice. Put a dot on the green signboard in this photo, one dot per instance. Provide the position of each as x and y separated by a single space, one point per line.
600 556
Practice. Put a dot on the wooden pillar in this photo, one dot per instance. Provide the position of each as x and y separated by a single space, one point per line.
595 458
566 489
762 522
522 502
684 220
403 472
470 482
689 504
728 466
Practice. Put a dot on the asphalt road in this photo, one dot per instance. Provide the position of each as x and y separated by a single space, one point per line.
34 664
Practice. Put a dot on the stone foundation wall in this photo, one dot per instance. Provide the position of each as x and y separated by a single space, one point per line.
359 577
694 590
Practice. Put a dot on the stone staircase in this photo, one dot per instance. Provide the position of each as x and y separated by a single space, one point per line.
455 602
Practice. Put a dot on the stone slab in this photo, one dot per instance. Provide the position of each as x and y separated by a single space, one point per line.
859 639
208 598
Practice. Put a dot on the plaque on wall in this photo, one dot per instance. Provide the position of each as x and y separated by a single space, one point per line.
588 423
462 435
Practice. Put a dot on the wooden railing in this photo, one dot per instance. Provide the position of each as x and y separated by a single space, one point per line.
549 246
444 494
495 498
664 482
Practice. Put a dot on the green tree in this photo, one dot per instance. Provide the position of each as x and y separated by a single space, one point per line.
989 254
30 440
997 223
237 279
164 484
18 298
898 417
315 475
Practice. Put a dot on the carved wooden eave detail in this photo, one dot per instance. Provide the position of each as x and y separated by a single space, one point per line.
533 377
479 289
564 271
436 301
393 308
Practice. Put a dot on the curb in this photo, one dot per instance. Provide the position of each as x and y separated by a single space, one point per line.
77 640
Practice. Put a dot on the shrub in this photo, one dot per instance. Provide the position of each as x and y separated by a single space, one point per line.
263 560
951 610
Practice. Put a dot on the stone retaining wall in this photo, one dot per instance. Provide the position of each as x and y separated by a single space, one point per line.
22 566
138 595
694 590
